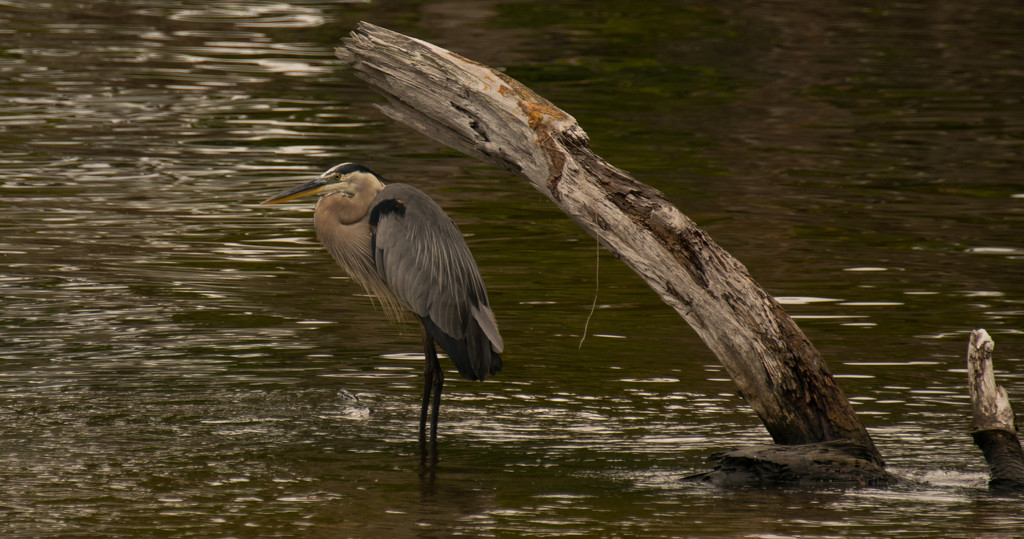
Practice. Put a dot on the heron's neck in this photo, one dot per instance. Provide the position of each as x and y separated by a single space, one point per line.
341 209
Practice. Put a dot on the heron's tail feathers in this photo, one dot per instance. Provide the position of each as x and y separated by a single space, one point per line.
474 355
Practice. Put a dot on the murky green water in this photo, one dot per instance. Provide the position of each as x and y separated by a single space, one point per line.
178 361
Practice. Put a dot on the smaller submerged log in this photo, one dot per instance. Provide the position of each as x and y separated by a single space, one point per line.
837 463
995 429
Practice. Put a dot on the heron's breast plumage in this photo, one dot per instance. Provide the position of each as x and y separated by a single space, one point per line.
342 226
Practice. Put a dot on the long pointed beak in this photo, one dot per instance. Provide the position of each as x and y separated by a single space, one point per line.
309 188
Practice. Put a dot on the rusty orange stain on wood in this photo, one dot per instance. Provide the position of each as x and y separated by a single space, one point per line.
536 113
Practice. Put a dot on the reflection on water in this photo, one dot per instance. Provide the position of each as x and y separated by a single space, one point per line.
176 357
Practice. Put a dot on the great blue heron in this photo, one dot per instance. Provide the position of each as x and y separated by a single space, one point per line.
402 248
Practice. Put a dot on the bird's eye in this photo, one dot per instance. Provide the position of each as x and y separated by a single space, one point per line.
337 177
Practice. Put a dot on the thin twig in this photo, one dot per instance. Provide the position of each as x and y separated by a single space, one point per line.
597 286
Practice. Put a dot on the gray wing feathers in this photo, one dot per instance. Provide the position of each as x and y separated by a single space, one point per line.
421 255
485 318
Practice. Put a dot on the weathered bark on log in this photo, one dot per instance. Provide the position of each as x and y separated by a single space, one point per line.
995 430
482 112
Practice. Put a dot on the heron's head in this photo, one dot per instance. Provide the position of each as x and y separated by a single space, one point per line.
348 179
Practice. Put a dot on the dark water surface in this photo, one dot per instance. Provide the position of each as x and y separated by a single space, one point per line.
179 361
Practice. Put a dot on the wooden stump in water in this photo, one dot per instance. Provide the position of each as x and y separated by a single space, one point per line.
995 429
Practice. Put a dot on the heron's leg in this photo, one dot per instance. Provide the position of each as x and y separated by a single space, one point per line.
428 384
438 385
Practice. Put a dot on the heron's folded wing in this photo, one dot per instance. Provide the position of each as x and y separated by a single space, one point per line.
421 255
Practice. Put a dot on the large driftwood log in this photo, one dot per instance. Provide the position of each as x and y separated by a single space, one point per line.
995 430
482 112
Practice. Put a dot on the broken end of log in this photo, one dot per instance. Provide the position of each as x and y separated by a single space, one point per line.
990 404
838 463
463 104
995 428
